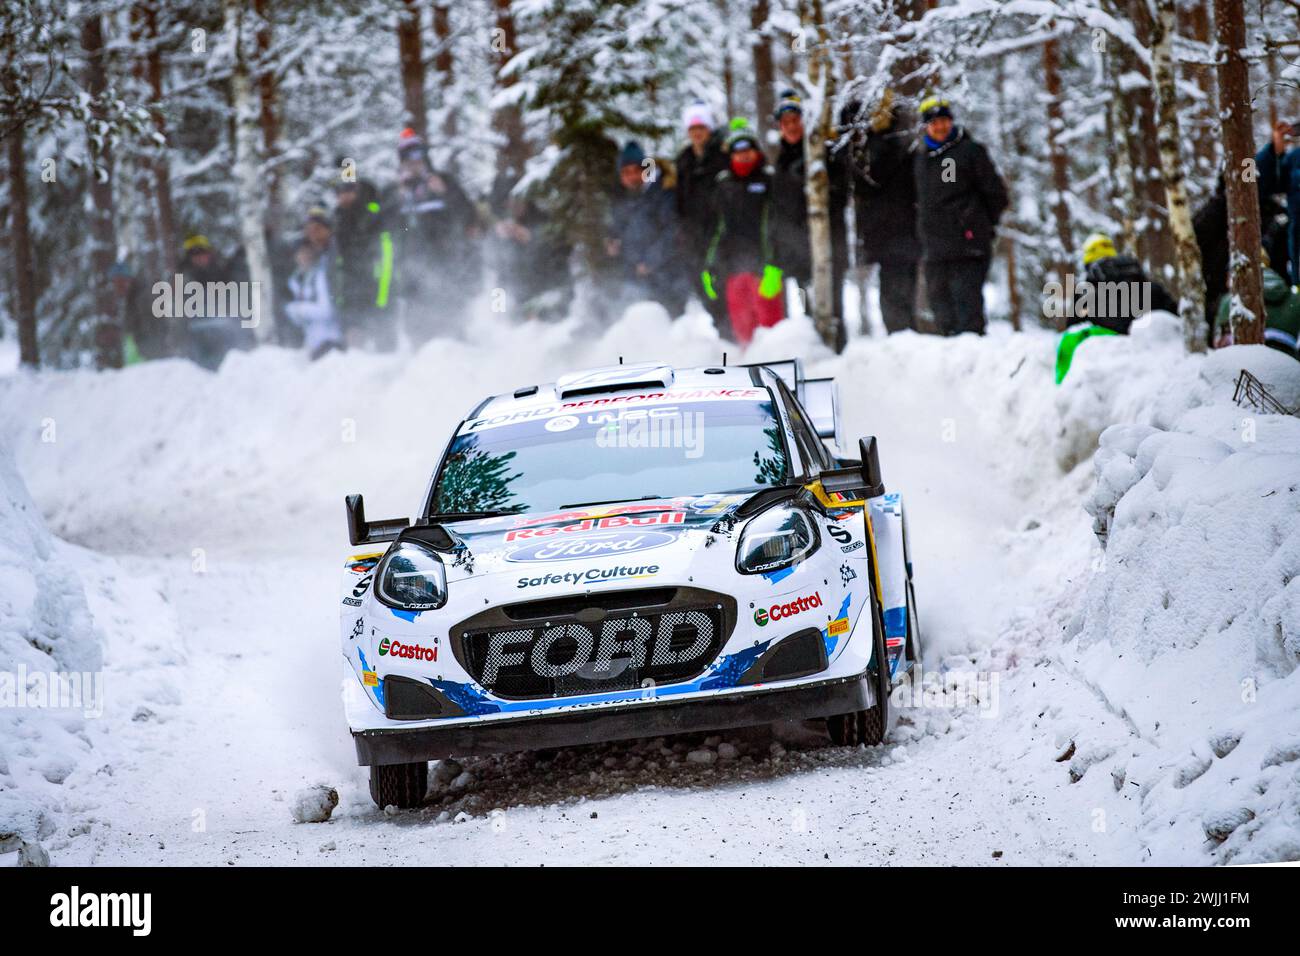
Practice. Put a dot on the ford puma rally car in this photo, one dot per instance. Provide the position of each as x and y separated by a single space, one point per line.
629 552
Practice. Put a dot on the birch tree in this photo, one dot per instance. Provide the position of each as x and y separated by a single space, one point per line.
250 182
1187 253
817 186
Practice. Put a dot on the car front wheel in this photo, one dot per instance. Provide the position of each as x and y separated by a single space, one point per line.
401 785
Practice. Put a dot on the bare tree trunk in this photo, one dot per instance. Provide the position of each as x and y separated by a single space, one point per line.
1008 243
1155 242
103 235
508 122
248 171
817 188
764 65
1064 258
1245 282
269 120
445 65
1203 139
1122 120
412 65
20 247
1187 258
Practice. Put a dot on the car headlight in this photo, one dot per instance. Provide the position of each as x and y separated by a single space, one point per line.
411 578
775 539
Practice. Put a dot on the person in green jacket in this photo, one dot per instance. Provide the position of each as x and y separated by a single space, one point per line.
1282 308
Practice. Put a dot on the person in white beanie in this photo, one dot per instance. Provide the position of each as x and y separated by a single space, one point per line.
698 166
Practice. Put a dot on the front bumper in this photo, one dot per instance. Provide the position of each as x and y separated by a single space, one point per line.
651 718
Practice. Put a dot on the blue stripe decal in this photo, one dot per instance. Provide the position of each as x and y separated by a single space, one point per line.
896 622
775 577
405 615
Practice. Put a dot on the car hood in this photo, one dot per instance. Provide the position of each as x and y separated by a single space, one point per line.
599 544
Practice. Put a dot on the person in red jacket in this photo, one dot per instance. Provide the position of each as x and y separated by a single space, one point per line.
741 250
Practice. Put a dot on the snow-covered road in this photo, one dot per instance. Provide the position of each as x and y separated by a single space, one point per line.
212 575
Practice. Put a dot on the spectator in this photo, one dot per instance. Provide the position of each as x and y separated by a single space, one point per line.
1278 166
1114 293
436 234
531 256
210 337
145 336
311 303
960 198
698 166
1282 322
1117 286
884 191
643 230
364 249
790 207
740 251
1210 223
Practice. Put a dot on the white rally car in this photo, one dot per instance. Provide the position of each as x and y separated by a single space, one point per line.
628 552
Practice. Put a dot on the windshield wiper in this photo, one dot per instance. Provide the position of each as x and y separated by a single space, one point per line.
612 501
469 515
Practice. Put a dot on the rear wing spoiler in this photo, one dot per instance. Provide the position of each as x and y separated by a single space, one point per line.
819 397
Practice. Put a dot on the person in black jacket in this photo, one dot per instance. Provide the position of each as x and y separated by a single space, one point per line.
790 207
436 231
698 166
960 198
643 231
884 194
364 267
740 256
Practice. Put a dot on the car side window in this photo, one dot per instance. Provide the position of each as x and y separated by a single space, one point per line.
811 448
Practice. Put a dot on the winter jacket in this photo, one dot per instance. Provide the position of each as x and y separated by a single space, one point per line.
742 225
790 210
311 307
365 255
1122 270
1282 325
696 181
432 235
959 198
645 225
1281 174
884 190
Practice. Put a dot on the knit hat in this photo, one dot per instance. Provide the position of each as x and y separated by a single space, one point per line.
631 154
319 214
1098 246
789 103
933 107
742 136
410 145
196 243
697 114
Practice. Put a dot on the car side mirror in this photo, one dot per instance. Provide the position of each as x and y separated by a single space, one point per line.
361 531
870 454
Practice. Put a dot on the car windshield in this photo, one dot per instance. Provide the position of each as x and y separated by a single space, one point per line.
656 447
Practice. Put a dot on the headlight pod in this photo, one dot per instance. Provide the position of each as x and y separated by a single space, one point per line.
411 578
776 539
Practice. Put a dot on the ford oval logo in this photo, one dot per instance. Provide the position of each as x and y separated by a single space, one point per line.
601 545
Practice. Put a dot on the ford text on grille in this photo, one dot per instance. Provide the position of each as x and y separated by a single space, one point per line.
566 649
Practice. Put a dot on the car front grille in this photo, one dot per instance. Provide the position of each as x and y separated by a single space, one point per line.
582 644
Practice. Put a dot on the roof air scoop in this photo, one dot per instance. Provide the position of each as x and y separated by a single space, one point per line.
614 377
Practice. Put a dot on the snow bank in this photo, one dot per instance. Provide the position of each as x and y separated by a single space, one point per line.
46 635
1191 627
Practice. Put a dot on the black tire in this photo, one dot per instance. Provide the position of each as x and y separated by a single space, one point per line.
400 785
867 727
